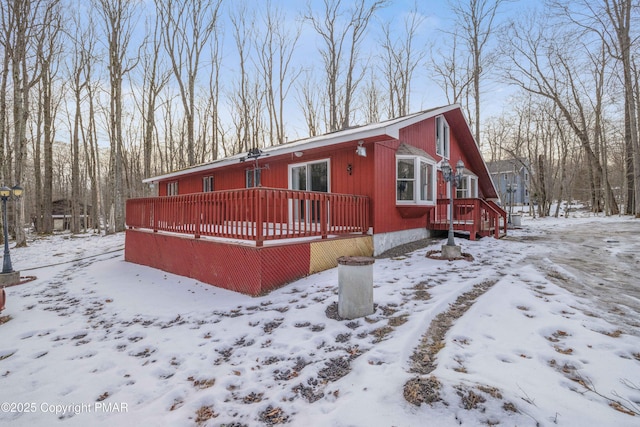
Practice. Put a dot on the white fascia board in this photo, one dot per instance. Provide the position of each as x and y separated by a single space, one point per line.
390 128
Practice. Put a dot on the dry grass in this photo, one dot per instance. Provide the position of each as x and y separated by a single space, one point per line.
204 414
422 390
202 383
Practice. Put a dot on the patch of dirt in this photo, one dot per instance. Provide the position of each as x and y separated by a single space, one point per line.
252 397
422 390
407 247
433 340
204 414
309 391
438 255
202 383
335 369
420 291
470 399
332 312
272 416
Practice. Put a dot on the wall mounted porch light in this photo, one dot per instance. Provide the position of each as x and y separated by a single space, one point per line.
361 150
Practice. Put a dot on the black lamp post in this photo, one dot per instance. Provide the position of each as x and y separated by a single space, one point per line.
511 188
455 178
7 193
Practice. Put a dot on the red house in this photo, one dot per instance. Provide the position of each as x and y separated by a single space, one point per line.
257 220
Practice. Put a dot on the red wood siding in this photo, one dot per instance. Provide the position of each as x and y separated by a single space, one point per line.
372 176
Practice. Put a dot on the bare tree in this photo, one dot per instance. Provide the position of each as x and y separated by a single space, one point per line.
31 20
309 100
44 200
542 64
275 55
611 22
400 60
77 85
243 24
452 72
476 18
372 100
188 25
118 21
214 95
342 32
618 14
154 79
6 39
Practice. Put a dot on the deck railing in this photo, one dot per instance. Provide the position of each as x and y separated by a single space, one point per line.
254 214
477 216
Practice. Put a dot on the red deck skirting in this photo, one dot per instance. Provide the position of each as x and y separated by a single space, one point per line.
239 268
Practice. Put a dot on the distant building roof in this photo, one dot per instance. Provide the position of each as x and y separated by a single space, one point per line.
506 166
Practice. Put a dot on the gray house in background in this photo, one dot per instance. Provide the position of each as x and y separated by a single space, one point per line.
511 179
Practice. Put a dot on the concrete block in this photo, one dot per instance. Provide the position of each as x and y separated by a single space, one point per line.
9 279
451 252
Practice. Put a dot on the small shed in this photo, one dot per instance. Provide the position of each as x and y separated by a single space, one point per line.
62 214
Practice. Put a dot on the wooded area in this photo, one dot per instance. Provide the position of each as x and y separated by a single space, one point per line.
97 95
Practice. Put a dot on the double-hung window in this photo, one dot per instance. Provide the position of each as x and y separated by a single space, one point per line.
442 137
415 180
207 184
468 187
172 188
253 177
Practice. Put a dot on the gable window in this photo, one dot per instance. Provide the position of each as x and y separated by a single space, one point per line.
415 180
207 184
442 137
253 177
172 188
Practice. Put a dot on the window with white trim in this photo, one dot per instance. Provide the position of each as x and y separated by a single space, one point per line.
207 184
172 188
468 187
253 177
310 176
415 180
442 137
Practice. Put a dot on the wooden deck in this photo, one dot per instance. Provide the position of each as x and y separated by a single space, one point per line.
254 214
477 217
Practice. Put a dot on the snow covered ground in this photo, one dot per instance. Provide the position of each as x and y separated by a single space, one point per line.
551 336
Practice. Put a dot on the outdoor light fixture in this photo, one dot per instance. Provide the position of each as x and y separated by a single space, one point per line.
298 153
455 178
253 154
360 150
7 193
